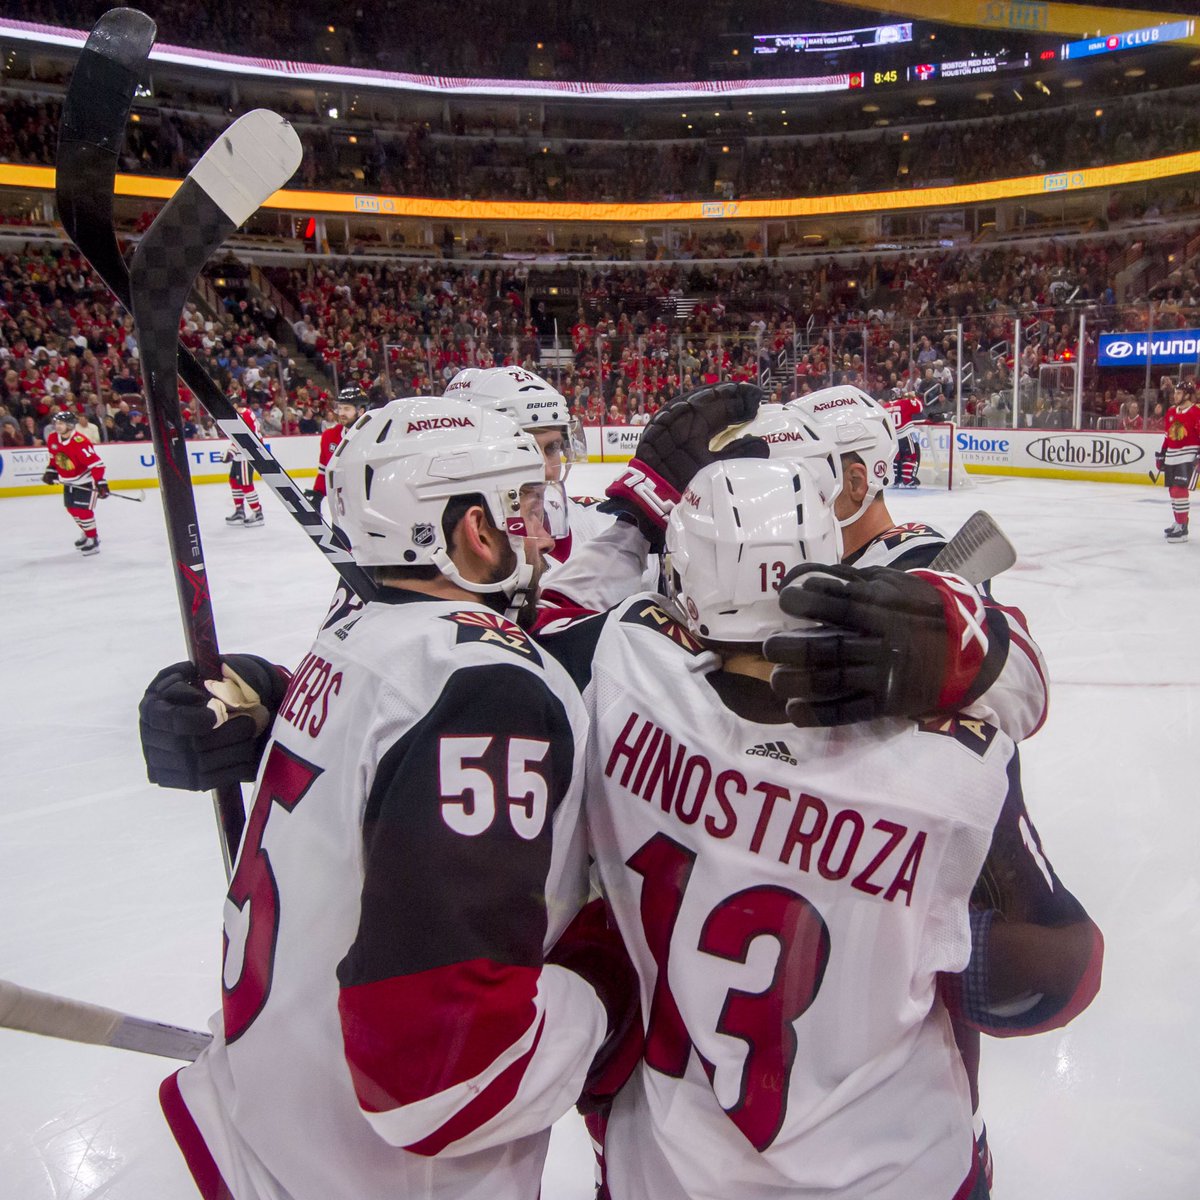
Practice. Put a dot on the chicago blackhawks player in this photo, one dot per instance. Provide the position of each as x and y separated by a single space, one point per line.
1179 458
75 464
905 411
241 480
351 401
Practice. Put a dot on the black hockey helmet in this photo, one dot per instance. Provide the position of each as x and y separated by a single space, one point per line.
65 415
353 394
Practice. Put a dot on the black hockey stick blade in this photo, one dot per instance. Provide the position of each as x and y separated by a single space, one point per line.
1154 476
251 159
977 552
95 113
93 126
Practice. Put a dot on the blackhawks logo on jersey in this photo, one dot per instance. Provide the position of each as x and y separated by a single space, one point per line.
653 617
496 631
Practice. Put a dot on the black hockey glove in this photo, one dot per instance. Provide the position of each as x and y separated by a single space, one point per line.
185 742
49 476
891 644
310 495
1160 461
675 445
102 490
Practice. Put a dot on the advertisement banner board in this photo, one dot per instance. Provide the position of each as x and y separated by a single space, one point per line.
1167 348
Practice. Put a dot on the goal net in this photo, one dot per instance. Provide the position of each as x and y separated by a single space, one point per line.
941 466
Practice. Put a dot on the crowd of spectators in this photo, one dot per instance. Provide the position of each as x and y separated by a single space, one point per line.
638 336
406 158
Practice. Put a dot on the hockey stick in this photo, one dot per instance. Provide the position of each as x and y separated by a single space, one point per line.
135 498
59 1017
252 159
95 112
1155 476
977 552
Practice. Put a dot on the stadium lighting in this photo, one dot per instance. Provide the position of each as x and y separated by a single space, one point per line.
869 108
926 102
1072 83
333 113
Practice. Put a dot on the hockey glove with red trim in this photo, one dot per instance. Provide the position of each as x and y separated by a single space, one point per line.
1160 461
49 476
102 490
592 948
890 644
203 735
674 446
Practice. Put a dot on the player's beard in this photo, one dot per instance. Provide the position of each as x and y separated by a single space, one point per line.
528 611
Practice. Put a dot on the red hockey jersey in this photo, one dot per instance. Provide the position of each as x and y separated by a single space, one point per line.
330 440
1182 438
904 411
73 457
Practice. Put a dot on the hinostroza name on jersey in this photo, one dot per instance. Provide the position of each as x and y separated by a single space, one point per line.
650 764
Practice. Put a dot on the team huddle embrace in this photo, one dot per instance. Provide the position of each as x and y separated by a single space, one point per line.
700 810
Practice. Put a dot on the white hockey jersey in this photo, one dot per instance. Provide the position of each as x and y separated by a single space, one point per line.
388 1026
789 898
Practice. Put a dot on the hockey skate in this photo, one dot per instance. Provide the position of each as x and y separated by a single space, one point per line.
81 541
254 520
1177 533
237 517
90 546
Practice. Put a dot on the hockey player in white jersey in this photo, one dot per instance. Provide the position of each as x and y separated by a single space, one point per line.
406 1007
542 411
875 661
791 897
870 664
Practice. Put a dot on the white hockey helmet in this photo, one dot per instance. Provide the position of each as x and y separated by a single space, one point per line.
790 434
848 421
459 387
740 527
519 394
394 472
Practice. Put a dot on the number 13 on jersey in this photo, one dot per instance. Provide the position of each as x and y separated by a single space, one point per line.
763 1020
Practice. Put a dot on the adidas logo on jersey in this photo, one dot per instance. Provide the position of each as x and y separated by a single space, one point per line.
777 750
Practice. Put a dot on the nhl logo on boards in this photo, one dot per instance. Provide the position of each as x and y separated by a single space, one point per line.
423 535
780 751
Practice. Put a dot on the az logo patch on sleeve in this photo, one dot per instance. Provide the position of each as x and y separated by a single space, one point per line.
653 617
496 631
975 736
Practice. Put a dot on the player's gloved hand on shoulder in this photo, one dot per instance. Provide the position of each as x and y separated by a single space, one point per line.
102 490
676 443
890 644
592 948
203 734
49 476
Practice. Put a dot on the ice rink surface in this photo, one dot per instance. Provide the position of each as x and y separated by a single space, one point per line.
111 890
